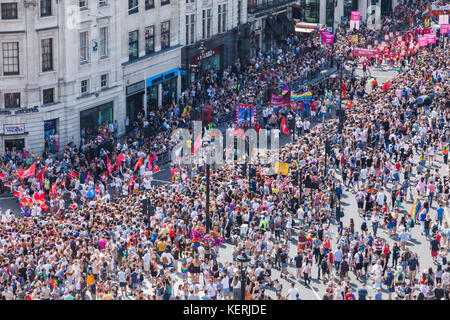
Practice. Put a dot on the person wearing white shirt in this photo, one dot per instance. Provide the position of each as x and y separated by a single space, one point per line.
292 293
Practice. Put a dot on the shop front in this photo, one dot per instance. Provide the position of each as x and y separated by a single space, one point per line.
50 135
162 89
92 119
209 60
14 137
135 100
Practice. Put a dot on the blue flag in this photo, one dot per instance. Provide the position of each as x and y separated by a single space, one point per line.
90 194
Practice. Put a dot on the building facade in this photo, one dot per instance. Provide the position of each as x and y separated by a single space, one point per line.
69 66
270 21
213 34
151 55
332 12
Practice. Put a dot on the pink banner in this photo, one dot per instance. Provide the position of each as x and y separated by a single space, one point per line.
431 38
280 100
444 28
360 52
423 41
327 37
356 16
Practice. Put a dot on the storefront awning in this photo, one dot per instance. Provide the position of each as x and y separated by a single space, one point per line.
273 24
303 30
289 26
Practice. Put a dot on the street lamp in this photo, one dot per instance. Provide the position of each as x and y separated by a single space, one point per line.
244 261
341 67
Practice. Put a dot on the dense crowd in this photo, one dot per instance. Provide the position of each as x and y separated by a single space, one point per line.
90 239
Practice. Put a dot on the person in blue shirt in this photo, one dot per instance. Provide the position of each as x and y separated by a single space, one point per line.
379 295
206 295
440 214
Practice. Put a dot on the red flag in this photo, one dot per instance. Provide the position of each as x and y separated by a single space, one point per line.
20 172
108 165
53 190
17 194
31 171
120 158
39 196
63 183
2 176
73 175
138 164
45 168
284 128
197 144
40 175
44 207
156 169
88 176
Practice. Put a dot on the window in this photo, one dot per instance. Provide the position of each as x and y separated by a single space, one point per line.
84 47
104 81
222 18
47 54
12 100
133 6
102 3
103 42
239 12
46 8
206 23
9 10
149 39
48 95
164 2
83 4
187 1
84 87
149 4
190 28
165 35
10 58
133 45
311 10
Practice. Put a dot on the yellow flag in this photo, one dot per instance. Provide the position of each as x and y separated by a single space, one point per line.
282 168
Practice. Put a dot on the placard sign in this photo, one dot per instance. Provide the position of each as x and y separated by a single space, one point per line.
356 16
13 129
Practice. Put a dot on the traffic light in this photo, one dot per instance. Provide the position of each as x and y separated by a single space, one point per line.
294 177
144 206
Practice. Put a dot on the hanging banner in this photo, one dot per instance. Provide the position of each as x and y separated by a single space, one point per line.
444 28
327 37
443 19
280 100
356 16
435 7
371 53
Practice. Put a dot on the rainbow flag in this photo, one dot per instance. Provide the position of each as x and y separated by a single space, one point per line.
83 199
426 13
415 209
196 242
304 96
184 269
285 89
41 242
184 112
204 188
60 226
295 164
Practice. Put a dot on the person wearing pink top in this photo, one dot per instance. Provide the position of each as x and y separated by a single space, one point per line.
431 188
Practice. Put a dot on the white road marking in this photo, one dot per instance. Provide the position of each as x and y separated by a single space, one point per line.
315 292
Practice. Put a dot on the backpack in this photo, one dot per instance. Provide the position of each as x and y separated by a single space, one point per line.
435 227
400 277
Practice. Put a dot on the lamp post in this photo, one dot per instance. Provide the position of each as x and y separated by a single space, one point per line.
243 260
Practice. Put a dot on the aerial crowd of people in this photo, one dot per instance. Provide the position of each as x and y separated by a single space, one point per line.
82 233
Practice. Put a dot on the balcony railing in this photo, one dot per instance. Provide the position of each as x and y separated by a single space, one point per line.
254 6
